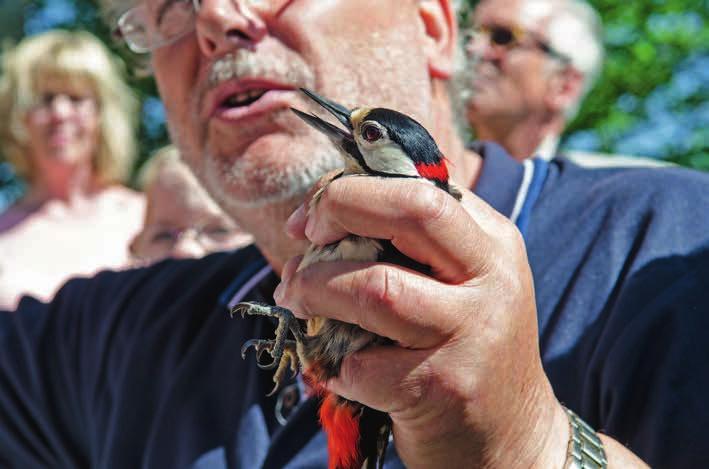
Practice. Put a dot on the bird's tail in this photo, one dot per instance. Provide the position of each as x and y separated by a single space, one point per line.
340 421
357 436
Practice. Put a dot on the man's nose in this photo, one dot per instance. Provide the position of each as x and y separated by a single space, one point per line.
223 25
187 247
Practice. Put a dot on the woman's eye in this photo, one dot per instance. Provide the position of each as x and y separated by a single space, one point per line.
48 98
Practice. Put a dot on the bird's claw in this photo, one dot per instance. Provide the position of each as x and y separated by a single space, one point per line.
260 346
284 352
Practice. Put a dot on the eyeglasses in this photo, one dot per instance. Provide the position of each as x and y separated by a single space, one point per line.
144 31
210 237
511 37
49 99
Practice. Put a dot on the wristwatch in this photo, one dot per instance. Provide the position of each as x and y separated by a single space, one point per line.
585 449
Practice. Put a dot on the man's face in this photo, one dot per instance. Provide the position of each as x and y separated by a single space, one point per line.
228 86
507 83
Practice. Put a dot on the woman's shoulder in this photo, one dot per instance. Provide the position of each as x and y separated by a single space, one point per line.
14 215
122 197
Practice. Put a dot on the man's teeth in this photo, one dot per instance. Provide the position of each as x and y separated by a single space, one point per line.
243 99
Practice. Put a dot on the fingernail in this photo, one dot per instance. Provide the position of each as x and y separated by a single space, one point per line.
309 229
295 224
279 292
290 267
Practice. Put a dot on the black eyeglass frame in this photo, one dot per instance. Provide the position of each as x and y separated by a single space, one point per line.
514 36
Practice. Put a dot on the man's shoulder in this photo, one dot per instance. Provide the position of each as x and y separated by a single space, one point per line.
162 284
612 160
658 188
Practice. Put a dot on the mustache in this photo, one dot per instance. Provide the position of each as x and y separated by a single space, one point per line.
286 68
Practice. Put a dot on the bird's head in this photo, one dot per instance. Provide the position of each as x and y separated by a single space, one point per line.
382 142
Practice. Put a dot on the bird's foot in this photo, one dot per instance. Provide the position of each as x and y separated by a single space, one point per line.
283 352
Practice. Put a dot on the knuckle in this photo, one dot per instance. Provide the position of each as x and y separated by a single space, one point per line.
414 388
428 204
352 367
513 236
297 289
331 196
377 292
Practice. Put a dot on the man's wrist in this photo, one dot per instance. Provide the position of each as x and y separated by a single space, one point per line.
554 451
585 448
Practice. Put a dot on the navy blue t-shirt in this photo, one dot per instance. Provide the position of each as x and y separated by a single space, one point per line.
143 369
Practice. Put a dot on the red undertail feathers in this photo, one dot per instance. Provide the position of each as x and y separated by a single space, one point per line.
340 421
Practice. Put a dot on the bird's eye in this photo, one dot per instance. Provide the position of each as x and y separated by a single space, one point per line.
371 133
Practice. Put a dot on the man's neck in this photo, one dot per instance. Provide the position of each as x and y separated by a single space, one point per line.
521 139
267 225
463 165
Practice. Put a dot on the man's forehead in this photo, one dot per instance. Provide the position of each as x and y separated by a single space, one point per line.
525 13
489 10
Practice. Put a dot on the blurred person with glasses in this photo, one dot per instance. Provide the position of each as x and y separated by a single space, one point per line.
526 67
181 219
506 324
68 130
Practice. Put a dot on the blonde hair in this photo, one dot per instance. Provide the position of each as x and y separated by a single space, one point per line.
79 60
163 158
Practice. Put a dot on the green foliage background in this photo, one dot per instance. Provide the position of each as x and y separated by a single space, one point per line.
651 100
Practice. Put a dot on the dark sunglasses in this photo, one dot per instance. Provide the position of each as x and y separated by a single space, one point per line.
510 37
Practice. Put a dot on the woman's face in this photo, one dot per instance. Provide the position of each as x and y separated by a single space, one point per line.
63 127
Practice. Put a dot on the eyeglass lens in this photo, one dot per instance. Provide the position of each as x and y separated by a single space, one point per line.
501 36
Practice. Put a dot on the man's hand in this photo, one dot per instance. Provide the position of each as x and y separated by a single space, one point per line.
464 385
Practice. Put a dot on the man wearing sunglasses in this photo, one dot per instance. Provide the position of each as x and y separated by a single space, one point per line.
528 64
143 368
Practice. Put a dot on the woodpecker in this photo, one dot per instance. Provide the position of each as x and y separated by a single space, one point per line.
377 142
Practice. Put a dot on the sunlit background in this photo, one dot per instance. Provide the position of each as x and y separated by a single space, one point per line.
652 99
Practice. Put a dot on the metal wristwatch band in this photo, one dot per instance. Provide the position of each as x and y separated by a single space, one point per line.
585 449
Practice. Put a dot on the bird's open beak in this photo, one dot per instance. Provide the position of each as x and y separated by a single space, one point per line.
338 135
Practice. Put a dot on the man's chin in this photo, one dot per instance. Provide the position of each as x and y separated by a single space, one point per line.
242 184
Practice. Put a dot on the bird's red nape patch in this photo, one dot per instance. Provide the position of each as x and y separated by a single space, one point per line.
437 171
341 426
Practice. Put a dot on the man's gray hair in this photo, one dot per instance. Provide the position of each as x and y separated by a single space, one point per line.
571 27
574 28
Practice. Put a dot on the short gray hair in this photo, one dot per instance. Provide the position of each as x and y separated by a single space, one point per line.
572 27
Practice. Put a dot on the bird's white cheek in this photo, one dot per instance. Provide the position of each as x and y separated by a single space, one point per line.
389 159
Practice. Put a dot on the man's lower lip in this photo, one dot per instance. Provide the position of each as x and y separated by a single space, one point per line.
270 101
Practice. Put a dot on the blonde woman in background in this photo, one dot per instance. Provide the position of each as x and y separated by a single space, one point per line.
68 130
181 219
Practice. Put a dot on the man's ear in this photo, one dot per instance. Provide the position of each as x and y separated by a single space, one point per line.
565 88
440 25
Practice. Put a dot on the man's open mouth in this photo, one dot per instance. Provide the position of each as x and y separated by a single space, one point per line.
237 99
243 98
